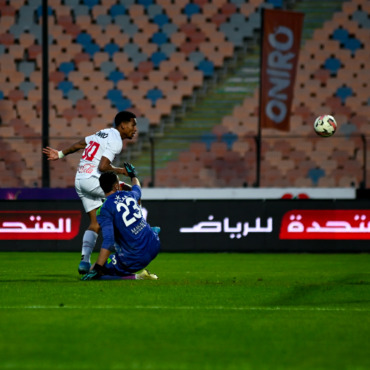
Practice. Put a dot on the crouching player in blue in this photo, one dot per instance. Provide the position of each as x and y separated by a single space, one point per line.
129 243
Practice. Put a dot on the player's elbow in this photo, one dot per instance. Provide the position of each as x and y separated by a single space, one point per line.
104 165
102 168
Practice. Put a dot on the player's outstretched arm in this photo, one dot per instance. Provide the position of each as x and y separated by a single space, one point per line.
105 165
135 181
54 154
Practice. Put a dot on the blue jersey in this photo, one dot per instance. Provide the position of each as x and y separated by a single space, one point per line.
124 227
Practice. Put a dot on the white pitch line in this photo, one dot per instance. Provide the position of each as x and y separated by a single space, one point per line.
215 308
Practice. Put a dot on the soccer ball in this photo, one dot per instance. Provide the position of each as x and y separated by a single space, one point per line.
325 125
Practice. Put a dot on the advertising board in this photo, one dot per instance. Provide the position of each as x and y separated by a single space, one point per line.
202 225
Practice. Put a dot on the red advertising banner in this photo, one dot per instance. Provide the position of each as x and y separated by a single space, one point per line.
280 48
326 224
39 225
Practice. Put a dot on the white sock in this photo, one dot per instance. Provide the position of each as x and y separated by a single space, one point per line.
88 244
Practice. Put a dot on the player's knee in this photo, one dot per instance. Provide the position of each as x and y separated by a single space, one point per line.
94 226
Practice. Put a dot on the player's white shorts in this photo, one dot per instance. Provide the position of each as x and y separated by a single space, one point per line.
90 192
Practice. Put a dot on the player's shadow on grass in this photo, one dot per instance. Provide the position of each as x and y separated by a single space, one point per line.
327 292
55 275
44 278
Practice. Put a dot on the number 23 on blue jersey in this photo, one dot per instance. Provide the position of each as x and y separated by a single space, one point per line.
130 214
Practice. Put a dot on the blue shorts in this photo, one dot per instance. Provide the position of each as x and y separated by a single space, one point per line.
119 264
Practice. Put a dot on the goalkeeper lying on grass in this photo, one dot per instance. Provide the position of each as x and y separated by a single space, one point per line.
129 243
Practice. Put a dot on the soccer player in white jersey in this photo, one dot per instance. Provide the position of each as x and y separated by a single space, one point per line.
99 152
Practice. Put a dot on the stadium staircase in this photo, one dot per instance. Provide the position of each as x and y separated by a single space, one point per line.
240 78
202 116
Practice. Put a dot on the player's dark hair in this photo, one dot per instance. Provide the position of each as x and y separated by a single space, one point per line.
107 180
123 116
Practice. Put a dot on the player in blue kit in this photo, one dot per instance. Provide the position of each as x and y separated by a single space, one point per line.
125 231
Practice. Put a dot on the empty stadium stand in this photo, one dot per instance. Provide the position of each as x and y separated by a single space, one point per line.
189 70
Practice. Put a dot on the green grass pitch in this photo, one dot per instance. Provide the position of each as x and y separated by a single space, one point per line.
207 311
